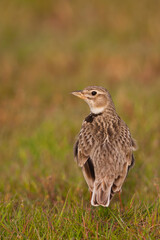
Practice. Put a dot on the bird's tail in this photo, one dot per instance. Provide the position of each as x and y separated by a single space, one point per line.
101 194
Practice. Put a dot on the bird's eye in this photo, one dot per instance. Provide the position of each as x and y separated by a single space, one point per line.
93 93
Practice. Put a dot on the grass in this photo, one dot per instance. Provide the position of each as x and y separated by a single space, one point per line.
48 50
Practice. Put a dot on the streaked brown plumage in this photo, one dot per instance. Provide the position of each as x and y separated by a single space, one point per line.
104 148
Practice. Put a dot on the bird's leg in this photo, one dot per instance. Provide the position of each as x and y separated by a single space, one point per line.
120 200
90 195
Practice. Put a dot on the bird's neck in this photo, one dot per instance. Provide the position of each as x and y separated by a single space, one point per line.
97 110
110 112
103 109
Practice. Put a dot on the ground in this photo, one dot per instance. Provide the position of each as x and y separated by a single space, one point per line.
49 49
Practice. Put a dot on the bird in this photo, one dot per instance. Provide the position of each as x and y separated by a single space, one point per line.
104 146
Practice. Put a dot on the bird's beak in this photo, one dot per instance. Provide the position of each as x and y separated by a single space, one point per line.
79 94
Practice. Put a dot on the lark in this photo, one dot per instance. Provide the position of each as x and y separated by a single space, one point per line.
104 147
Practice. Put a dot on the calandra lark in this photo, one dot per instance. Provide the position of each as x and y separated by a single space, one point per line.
104 148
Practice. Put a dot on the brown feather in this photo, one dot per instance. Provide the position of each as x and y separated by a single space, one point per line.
104 149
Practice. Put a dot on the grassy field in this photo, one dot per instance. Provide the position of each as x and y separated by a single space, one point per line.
48 49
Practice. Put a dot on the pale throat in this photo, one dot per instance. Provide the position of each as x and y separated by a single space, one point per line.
97 110
94 108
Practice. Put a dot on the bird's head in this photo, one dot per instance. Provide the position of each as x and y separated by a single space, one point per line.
98 98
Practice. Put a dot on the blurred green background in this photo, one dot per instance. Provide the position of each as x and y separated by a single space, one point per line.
50 48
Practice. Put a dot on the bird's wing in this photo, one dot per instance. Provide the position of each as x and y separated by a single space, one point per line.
84 144
114 161
121 176
110 173
82 152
